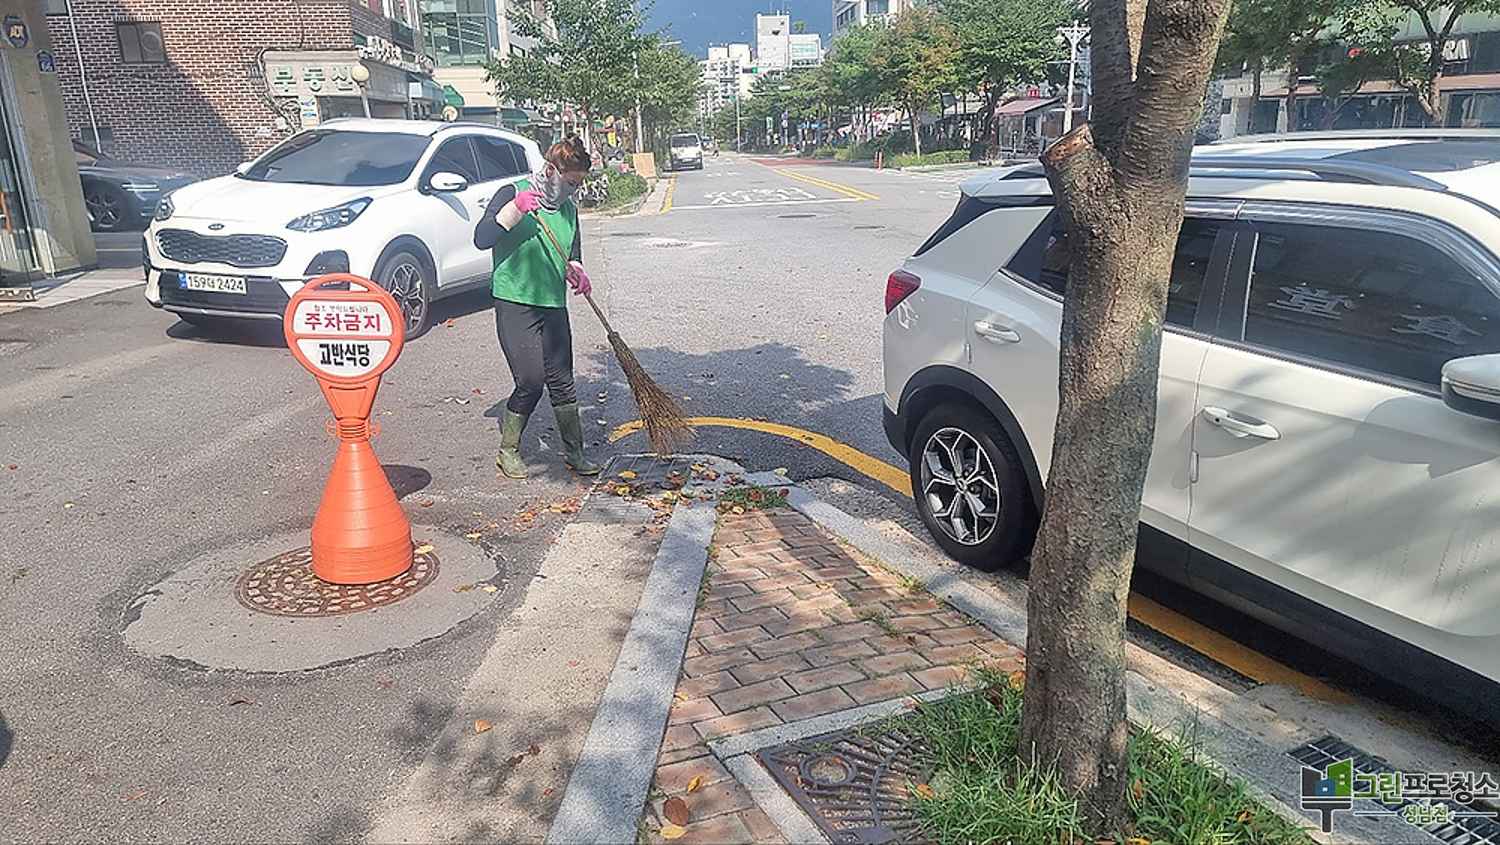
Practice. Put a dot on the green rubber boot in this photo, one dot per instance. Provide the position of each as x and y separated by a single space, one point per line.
571 429
509 460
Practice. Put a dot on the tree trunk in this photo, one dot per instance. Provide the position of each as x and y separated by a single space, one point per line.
1120 181
1291 102
1257 72
991 102
916 128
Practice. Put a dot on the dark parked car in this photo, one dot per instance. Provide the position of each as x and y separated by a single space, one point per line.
120 195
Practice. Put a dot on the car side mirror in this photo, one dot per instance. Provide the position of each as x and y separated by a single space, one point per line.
244 167
1472 385
444 182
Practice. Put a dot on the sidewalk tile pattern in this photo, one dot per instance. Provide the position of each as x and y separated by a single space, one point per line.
792 626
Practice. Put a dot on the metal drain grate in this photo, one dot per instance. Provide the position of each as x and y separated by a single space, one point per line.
286 586
854 784
1463 830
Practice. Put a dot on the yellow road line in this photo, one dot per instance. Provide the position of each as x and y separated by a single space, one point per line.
846 190
892 477
1207 642
666 204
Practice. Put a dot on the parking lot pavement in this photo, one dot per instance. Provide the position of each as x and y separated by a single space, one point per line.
118 250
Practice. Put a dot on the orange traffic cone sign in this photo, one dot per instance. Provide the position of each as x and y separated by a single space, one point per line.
348 338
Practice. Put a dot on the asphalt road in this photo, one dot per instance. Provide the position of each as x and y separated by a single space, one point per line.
130 443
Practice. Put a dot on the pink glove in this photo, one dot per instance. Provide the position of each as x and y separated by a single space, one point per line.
528 201
578 278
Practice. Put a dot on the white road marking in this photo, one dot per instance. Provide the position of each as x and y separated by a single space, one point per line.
761 204
757 195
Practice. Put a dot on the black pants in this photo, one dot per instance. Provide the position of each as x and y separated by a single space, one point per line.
538 346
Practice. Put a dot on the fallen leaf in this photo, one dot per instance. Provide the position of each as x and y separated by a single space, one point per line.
736 510
385 682
1017 679
426 503
572 663
628 475
534 749
1137 840
12 467
516 760
473 535
424 549
68 506
1138 789
622 491
781 471
449 323
490 588
676 811
136 796
548 791
924 791
1244 817
463 588
235 702
478 391
672 831
696 782
480 726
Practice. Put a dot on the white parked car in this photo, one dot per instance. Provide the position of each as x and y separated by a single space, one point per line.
1327 450
685 150
395 201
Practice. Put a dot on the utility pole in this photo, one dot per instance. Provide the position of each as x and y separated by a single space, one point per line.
739 133
1074 35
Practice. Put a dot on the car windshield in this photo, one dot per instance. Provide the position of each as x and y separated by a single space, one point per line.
684 140
351 159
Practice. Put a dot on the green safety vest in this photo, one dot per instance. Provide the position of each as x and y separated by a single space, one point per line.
528 268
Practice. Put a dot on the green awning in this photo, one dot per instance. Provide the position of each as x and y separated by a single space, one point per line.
451 95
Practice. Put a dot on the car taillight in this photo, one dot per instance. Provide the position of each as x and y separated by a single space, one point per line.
898 287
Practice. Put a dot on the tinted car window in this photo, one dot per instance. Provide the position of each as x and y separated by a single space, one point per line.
1195 248
1372 300
455 156
499 158
353 159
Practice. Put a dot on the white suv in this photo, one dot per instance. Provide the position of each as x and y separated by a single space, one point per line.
395 201
1327 451
685 150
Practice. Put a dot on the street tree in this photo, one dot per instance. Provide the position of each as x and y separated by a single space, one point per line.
1418 67
851 77
1283 33
1002 44
914 61
589 62
1119 182
669 85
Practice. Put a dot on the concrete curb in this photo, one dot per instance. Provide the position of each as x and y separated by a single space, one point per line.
608 788
1268 772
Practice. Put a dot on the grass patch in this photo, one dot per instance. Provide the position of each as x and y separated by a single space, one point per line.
752 498
981 792
881 621
912 586
928 159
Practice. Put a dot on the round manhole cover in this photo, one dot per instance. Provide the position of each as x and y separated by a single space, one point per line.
285 586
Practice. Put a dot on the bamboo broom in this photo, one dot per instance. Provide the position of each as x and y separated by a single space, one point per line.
665 424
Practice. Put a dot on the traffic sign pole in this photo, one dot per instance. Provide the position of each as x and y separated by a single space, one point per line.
347 338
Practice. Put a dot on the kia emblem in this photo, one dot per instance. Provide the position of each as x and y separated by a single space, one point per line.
214 227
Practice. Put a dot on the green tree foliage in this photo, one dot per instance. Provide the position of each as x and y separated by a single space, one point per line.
1003 44
670 82
1418 66
915 61
590 63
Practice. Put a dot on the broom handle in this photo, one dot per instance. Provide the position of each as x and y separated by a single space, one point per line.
588 296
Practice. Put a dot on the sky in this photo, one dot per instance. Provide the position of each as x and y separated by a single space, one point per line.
698 23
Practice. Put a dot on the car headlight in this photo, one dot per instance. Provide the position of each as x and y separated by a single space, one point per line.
330 218
164 208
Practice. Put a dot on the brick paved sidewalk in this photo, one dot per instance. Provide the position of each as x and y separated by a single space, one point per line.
791 626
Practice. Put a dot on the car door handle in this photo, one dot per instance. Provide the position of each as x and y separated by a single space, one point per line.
1239 426
996 334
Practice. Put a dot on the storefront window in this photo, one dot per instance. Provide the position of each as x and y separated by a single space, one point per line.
460 32
1479 110
17 255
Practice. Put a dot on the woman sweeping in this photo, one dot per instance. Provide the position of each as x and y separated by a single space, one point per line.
530 285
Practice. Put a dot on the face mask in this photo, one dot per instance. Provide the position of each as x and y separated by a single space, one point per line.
554 189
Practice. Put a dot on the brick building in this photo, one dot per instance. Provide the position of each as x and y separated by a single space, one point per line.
203 86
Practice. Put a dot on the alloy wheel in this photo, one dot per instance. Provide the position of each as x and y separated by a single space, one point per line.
103 209
960 486
405 285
